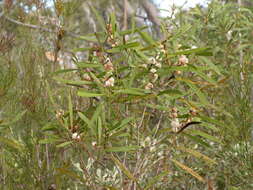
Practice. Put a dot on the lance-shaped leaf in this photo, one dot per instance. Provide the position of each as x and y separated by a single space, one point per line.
189 170
123 169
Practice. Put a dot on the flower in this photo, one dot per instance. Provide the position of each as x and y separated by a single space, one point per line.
155 77
108 66
149 86
76 136
86 77
175 124
59 114
159 65
109 82
153 70
183 60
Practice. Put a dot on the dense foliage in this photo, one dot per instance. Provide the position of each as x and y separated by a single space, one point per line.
124 105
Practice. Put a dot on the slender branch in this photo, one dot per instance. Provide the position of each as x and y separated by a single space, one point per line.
38 27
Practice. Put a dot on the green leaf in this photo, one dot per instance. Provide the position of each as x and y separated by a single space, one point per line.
69 173
99 127
88 65
198 51
12 143
123 47
63 71
123 123
205 135
197 154
49 140
147 38
99 18
14 120
87 94
189 170
87 121
123 169
72 82
70 110
211 65
64 144
122 149
131 91
155 179
171 92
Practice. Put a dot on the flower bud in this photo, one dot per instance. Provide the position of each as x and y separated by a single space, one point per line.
149 86
109 82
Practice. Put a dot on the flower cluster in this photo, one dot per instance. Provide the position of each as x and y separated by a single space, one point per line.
155 63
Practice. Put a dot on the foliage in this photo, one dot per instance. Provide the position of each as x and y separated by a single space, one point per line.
125 110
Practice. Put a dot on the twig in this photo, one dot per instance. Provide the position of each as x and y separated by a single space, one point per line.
38 27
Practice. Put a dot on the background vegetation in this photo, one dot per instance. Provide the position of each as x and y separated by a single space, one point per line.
108 95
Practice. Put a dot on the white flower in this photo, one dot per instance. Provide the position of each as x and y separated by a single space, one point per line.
109 82
183 60
155 77
76 136
94 143
159 65
152 149
149 86
153 70
152 60
145 66
86 77
108 66
175 124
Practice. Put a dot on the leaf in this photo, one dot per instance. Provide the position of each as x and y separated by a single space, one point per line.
99 127
87 121
147 38
49 140
211 65
72 82
64 144
17 118
12 143
70 110
198 51
87 94
123 123
123 47
197 140
197 154
171 92
63 71
122 149
88 65
189 170
205 135
123 169
155 179
64 171
99 18
131 91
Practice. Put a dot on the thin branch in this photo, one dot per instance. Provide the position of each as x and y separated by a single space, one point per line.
38 27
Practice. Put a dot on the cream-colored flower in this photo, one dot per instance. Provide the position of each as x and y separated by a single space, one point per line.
175 124
76 136
149 86
153 70
159 65
155 77
183 60
109 82
86 77
108 66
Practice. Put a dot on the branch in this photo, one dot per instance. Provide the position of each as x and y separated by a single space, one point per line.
73 35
